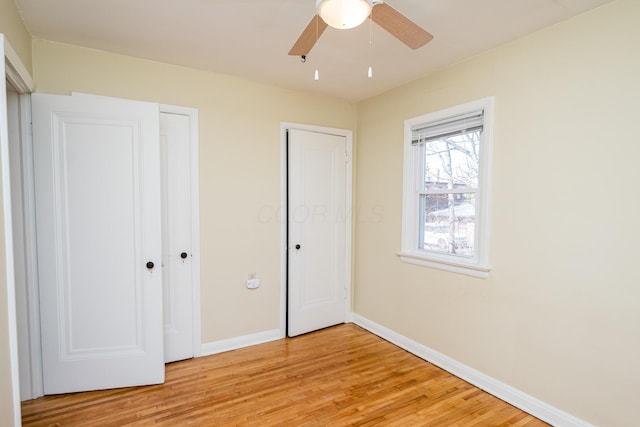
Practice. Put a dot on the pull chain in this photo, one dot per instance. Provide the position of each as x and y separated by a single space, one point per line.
316 75
370 70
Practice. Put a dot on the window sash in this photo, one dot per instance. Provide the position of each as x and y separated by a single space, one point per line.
420 164
448 191
470 251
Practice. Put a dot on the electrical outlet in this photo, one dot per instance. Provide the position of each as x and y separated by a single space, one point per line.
253 283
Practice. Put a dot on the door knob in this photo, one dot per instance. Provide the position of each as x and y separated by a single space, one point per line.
297 246
150 265
183 255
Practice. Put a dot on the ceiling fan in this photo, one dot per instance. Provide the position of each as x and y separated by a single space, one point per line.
344 14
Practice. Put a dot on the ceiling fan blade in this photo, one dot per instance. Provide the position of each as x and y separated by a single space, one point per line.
400 26
309 37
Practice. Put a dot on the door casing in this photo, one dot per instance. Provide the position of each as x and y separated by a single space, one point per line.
25 253
12 72
281 214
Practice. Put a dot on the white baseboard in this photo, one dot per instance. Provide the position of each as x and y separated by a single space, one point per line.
240 342
513 396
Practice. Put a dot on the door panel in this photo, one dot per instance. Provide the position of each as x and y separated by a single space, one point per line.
175 153
98 224
317 231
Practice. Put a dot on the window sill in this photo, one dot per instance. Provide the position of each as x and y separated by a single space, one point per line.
474 270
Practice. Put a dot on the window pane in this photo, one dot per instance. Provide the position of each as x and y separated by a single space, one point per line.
452 162
449 223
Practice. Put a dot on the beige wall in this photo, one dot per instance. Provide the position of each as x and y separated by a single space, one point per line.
559 315
239 167
12 27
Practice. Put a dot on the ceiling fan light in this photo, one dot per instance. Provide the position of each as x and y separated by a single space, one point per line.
343 14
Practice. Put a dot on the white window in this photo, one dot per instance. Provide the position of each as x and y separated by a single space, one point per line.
446 186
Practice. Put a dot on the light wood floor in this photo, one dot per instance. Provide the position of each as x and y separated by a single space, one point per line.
334 377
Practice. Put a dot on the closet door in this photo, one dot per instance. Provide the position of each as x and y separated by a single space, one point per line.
317 290
177 253
97 190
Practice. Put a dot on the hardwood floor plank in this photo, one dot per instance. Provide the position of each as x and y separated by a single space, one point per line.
334 377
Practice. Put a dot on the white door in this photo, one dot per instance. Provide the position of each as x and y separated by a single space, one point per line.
317 294
175 155
178 227
97 188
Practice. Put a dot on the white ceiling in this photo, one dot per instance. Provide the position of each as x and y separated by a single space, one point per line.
251 38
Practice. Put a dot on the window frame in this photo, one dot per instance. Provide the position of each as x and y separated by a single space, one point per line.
478 264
